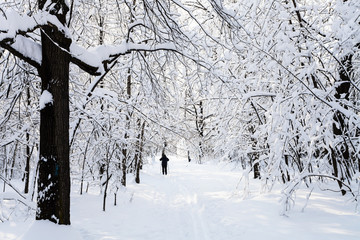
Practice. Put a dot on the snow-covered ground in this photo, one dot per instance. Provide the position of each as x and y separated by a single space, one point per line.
196 202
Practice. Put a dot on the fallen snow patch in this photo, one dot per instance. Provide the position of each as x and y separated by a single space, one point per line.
45 230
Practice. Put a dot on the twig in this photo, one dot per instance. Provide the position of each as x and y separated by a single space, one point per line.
15 189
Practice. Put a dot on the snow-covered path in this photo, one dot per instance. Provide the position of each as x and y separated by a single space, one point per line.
175 206
196 202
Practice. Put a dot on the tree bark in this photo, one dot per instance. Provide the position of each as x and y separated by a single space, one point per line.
54 170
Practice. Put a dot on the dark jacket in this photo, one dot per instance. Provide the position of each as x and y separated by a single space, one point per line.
164 159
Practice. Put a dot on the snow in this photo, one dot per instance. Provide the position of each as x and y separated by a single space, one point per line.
96 56
45 98
28 48
258 94
53 232
13 25
196 202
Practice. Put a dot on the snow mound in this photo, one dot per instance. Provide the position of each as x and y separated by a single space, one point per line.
45 230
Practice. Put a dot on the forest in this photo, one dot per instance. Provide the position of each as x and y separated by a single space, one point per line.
92 91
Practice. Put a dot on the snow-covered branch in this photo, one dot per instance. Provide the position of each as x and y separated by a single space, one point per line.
14 27
287 200
98 60
12 186
25 49
95 61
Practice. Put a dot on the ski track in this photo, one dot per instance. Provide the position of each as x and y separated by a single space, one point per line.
181 202
194 208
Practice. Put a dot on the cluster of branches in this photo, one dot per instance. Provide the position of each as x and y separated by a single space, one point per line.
297 85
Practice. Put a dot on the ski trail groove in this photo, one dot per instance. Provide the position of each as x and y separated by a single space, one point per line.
193 207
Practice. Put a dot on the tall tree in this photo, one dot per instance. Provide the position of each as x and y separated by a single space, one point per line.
54 169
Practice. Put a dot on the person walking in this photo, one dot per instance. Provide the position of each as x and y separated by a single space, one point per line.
164 159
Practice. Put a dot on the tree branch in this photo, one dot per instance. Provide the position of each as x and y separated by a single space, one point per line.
17 49
99 60
13 38
15 189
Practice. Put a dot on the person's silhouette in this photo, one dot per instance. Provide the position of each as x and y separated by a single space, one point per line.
164 159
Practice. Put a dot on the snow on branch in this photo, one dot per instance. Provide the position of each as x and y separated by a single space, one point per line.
258 94
98 60
26 49
14 26
95 61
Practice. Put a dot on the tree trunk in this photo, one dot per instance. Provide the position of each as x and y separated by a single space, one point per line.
83 165
125 150
27 166
138 165
200 124
5 166
28 152
13 161
342 154
107 179
53 201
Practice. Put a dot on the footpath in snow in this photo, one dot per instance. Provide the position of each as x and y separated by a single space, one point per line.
196 202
